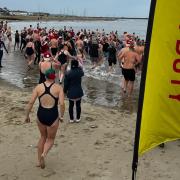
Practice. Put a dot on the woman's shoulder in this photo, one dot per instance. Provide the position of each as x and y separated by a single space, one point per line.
38 87
57 86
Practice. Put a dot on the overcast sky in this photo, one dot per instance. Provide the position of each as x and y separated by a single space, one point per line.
127 8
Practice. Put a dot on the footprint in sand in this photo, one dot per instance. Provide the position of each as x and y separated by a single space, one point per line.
110 135
23 102
90 119
7 177
93 174
98 143
112 112
17 109
48 173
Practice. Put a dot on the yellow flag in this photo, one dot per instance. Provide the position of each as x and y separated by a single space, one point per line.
160 121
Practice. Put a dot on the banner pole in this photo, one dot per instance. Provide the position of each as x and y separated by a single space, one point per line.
142 89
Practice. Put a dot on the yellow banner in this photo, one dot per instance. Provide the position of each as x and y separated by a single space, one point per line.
160 120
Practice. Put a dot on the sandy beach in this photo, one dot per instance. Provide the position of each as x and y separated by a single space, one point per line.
100 147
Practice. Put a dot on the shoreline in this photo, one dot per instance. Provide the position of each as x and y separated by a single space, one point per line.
8 85
65 18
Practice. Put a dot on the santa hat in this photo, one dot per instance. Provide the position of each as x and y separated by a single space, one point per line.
47 56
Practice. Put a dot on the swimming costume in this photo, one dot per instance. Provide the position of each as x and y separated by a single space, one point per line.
17 38
54 51
112 55
29 51
62 58
129 74
112 60
48 116
94 50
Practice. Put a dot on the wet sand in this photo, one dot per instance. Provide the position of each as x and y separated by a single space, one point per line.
99 87
100 147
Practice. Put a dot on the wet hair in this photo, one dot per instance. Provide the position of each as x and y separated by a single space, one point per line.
74 64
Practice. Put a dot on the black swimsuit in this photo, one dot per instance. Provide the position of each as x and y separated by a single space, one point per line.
29 51
48 116
62 58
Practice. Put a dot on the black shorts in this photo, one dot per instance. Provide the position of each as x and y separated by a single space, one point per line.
16 40
129 74
112 61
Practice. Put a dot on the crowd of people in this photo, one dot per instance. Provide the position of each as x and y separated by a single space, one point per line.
63 53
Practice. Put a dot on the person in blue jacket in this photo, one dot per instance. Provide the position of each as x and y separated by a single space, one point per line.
73 89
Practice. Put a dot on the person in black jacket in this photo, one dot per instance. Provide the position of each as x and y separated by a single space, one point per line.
2 46
73 89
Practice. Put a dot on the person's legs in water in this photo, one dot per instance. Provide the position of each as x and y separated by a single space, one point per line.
125 85
130 87
18 45
23 46
51 134
131 81
78 110
1 55
30 61
15 45
71 110
61 73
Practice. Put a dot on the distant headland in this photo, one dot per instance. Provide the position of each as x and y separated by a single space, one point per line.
18 15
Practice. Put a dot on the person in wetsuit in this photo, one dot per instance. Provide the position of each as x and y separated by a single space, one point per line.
49 94
2 46
37 45
94 51
17 39
111 56
23 40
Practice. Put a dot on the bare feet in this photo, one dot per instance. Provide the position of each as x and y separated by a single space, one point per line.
42 162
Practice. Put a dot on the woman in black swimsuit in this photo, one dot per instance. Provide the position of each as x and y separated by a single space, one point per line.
49 94
63 58
30 52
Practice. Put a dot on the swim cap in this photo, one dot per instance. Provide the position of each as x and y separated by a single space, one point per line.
46 56
50 74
